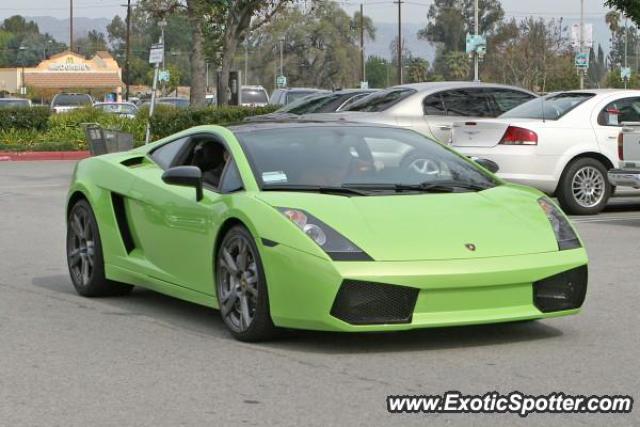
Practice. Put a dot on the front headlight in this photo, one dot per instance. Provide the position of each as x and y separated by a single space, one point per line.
565 236
338 247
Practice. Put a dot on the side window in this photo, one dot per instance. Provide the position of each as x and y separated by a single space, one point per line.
619 111
433 105
165 154
231 181
507 99
467 102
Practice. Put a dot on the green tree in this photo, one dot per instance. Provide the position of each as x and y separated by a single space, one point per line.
93 42
630 8
380 72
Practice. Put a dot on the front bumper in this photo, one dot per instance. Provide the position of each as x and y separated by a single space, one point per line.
303 288
624 177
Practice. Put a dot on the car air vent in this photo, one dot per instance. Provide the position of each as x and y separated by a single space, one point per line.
132 161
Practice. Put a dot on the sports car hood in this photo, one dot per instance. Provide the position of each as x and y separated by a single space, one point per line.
501 221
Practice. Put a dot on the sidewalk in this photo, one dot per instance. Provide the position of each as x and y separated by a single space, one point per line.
42 155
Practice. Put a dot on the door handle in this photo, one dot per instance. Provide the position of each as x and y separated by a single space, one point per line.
444 127
612 137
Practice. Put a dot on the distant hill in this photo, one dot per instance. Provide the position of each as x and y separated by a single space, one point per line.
59 28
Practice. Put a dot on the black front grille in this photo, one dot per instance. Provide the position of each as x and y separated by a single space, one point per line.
563 291
362 303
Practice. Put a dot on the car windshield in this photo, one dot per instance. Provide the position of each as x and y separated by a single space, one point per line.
254 96
381 101
323 103
12 103
295 95
550 107
118 108
357 158
72 100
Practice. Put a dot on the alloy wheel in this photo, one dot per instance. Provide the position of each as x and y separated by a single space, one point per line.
238 283
588 186
81 252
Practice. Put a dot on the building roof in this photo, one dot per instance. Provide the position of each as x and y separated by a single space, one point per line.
73 80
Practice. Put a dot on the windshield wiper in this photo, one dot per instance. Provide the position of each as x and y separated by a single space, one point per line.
342 190
428 186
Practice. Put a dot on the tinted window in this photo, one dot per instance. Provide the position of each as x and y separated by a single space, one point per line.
349 102
550 107
292 96
325 103
231 181
467 102
331 156
71 100
433 105
165 154
619 111
506 99
12 103
254 96
381 101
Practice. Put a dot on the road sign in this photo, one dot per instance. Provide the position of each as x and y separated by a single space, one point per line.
156 54
476 43
281 81
582 60
625 73
364 85
588 35
164 76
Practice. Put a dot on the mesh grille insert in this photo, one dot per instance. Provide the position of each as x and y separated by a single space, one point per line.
361 303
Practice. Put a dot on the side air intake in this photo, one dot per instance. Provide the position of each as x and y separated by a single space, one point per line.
120 213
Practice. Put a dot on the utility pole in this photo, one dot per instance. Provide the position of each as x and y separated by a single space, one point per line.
476 57
71 25
246 61
128 41
281 56
399 3
626 38
581 72
363 71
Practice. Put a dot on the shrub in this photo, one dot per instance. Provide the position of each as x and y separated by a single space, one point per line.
36 118
167 121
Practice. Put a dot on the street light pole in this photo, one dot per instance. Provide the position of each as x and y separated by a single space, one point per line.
281 56
476 57
71 25
363 72
399 3
128 41
581 72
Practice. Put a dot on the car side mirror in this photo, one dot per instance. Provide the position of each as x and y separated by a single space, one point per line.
185 176
489 165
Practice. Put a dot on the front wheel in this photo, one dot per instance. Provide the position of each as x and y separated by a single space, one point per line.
84 255
241 287
584 188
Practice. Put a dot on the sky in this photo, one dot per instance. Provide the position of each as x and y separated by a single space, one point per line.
379 10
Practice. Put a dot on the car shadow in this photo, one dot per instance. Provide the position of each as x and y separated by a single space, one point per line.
202 320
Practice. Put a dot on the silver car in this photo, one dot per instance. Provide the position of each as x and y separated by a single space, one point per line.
431 108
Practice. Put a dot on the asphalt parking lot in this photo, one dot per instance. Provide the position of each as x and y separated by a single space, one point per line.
147 359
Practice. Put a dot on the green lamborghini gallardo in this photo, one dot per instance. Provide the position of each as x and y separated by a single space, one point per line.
321 225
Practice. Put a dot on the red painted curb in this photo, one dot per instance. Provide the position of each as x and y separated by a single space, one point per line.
43 155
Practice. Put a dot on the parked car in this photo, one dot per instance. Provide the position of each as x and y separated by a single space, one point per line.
126 109
289 225
15 103
254 96
431 108
288 95
329 102
172 101
62 102
563 143
628 172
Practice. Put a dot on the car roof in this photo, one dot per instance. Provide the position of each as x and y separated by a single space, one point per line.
428 86
606 91
291 124
13 99
303 89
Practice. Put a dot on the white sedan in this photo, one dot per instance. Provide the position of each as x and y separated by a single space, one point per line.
562 144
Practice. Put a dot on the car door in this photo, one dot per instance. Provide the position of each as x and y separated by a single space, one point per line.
459 105
609 119
175 231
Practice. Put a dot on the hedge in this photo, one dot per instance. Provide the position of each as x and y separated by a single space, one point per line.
36 130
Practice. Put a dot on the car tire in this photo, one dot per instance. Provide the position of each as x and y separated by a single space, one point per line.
241 287
584 188
84 255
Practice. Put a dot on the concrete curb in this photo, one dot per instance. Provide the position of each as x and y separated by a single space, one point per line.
43 155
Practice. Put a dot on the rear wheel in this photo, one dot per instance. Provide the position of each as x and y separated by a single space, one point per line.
584 188
241 287
84 255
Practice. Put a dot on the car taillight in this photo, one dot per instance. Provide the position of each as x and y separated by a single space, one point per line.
620 147
519 136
